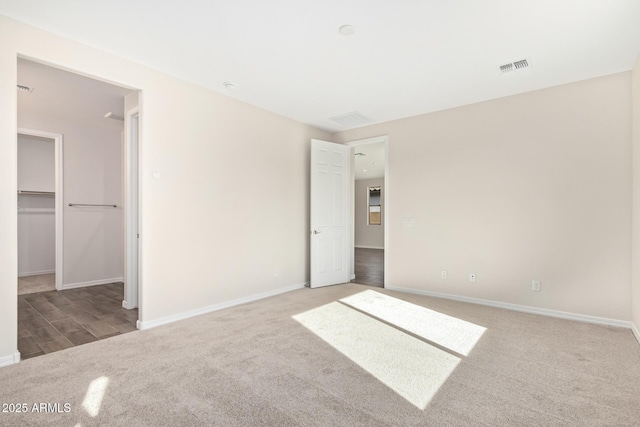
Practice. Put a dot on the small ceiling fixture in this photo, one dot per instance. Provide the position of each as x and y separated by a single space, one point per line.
347 30
229 85
364 170
351 120
23 88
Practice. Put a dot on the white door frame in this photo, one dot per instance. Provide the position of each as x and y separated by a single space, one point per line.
375 140
131 208
59 203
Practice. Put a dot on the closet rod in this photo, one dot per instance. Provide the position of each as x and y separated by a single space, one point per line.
87 204
36 193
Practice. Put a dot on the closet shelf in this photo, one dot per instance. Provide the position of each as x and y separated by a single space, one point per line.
36 193
36 210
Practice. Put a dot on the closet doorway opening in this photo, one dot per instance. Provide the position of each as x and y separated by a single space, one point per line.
40 211
86 197
369 210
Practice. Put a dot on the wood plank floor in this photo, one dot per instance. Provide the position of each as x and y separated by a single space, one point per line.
369 267
36 283
55 320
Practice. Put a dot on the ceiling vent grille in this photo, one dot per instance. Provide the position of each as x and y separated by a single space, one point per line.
523 64
351 120
506 68
23 88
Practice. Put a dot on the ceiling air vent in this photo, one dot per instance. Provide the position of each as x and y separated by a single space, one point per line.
351 120
506 68
523 64
23 88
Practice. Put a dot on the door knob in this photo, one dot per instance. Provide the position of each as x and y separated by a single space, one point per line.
316 232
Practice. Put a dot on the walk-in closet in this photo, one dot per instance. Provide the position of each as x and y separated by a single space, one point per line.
36 214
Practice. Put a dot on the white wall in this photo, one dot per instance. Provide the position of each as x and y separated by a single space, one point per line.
36 163
367 236
93 237
636 196
36 228
532 186
204 240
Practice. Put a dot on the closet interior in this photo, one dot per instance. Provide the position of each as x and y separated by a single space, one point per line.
36 214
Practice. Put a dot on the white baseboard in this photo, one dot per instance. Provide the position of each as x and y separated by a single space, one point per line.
370 247
125 304
36 273
635 331
148 324
10 359
521 308
92 283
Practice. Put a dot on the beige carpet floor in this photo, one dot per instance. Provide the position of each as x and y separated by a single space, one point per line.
255 365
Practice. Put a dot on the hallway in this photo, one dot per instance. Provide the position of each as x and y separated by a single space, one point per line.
369 267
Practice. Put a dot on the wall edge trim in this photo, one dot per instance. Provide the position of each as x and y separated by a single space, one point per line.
521 308
10 359
635 331
125 304
36 273
148 324
92 283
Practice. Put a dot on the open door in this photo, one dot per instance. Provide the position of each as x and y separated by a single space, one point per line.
330 236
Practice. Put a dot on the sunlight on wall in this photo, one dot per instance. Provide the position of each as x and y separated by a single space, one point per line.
446 331
412 368
95 393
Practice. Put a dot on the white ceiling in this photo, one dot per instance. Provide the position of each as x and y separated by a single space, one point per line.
406 57
59 93
371 164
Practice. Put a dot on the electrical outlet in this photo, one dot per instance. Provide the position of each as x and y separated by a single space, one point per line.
535 285
276 272
443 274
472 277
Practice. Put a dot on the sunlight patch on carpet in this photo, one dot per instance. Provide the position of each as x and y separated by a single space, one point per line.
95 393
446 331
412 368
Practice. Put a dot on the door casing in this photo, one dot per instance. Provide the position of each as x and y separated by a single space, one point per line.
131 209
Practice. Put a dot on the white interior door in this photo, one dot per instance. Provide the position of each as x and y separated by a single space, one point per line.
329 213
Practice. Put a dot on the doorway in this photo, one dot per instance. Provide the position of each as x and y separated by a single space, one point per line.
369 207
39 211
98 204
